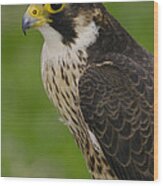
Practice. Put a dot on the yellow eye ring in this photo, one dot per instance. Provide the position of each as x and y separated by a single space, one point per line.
53 8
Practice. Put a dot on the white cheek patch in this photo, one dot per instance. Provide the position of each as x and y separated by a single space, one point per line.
87 35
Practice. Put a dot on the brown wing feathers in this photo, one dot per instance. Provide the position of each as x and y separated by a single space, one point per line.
117 106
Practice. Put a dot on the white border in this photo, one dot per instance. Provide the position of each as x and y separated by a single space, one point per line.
63 182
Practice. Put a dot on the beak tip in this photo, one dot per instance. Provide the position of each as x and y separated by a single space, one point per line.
25 24
23 29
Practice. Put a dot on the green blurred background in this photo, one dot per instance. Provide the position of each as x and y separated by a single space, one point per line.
34 142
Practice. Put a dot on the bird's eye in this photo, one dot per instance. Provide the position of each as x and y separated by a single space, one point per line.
34 11
53 8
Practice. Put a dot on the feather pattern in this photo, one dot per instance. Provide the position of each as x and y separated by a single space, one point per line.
117 104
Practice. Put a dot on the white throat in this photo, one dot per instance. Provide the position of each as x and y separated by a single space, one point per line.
54 51
86 35
53 39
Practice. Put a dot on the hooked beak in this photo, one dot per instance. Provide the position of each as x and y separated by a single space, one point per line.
27 22
34 17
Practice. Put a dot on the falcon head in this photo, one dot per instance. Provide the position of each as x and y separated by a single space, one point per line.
65 22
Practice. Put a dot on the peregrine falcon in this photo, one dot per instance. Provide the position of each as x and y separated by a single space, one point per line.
101 81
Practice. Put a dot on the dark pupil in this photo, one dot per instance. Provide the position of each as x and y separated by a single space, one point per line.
56 6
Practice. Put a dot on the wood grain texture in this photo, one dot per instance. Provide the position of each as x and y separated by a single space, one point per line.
155 90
